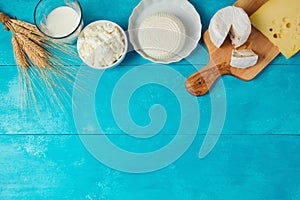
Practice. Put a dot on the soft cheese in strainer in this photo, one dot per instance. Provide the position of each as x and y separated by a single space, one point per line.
161 36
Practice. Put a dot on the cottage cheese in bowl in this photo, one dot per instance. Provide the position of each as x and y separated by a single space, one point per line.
102 44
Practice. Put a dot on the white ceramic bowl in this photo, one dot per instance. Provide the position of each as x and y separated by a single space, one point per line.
125 43
182 9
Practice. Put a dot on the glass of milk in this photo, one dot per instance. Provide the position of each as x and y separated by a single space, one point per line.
59 19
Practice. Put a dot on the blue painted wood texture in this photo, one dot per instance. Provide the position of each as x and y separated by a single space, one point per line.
257 156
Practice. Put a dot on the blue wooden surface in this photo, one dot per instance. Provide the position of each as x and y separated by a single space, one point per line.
257 156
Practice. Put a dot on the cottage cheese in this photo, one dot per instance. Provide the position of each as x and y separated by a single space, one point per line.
101 45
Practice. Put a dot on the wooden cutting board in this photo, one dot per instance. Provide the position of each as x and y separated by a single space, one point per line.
200 82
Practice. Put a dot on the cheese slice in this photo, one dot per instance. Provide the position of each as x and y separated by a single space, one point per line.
279 20
243 58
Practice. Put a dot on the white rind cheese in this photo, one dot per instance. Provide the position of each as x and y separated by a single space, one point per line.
101 45
233 21
243 58
220 25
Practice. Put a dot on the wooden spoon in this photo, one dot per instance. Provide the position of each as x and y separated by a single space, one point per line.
200 82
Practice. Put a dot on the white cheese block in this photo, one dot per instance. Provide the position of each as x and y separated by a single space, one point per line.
161 36
233 21
243 58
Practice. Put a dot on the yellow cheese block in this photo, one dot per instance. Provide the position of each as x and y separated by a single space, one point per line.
279 20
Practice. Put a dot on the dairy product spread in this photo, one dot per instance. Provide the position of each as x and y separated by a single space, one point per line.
101 45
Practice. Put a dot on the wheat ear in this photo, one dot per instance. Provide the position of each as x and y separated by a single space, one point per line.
20 55
37 54
25 25
20 30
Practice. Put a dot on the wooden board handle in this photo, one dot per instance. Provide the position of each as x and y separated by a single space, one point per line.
200 82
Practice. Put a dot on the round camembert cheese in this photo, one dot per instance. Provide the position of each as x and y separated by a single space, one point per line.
233 21
101 45
161 36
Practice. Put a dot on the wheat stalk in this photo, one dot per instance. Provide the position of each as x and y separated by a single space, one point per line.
39 57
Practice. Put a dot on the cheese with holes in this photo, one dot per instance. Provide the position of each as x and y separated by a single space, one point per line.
279 20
